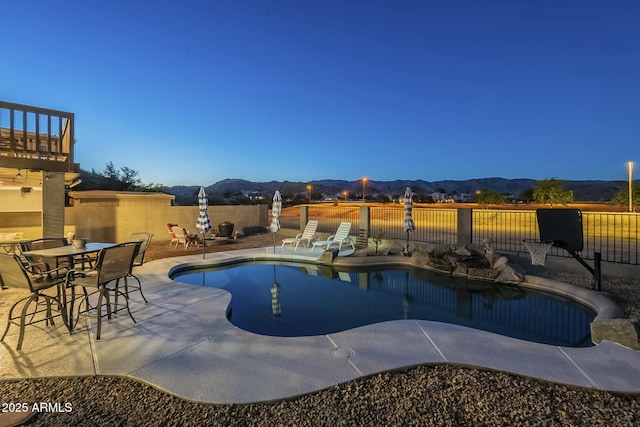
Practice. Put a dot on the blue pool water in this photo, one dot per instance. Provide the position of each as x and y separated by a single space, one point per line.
302 300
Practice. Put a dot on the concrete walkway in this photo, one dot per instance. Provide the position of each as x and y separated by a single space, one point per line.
183 343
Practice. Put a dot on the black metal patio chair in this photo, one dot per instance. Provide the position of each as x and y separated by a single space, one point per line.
113 263
13 274
145 241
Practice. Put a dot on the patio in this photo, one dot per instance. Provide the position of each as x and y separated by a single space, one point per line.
183 344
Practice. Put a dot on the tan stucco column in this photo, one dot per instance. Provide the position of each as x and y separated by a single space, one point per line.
53 205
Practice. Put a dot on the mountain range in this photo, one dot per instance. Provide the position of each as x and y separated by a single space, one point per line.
587 191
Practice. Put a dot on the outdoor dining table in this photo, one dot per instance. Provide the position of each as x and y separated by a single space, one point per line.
70 250
65 252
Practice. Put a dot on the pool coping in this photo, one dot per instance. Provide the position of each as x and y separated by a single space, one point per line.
183 344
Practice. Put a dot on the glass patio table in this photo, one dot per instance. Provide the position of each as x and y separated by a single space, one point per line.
70 250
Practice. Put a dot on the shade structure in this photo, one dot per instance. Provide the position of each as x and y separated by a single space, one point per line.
407 224
203 224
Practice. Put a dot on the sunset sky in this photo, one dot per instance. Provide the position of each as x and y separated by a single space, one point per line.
195 91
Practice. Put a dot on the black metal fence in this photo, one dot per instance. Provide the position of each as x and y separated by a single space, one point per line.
615 235
432 225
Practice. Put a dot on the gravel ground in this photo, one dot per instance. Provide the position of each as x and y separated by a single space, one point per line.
424 395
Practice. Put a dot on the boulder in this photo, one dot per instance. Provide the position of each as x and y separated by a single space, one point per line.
438 264
475 248
471 260
507 274
462 251
496 261
622 331
439 250
488 245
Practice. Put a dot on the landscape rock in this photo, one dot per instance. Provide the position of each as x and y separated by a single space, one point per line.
622 331
496 261
462 251
473 262
467 261
461 270
439 250
327 257
508 274
440 265
483 273
475 248
488 245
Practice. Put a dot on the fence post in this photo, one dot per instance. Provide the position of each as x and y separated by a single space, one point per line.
304 217
465 226
362 241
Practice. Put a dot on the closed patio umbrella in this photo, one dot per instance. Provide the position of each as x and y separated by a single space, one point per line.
407 298
203 224
276 309
408 224
275 214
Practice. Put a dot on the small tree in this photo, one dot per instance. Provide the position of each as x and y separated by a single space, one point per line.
526 195
377 239
487 197
551 192
622 198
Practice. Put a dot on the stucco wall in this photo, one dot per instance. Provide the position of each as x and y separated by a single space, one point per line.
115 224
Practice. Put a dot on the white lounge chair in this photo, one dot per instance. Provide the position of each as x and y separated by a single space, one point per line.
305 237
338 240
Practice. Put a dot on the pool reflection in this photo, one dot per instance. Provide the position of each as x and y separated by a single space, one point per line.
290 300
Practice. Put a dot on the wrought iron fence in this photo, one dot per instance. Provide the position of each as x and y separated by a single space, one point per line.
330 217
615 235
432 225
506 228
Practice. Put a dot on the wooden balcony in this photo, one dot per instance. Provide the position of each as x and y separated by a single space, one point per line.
34 138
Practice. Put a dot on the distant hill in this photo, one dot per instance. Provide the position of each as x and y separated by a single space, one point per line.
586 191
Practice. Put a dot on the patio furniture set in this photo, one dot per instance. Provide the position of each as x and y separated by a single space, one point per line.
64 280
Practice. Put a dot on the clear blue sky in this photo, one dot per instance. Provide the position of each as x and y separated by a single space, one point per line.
195 91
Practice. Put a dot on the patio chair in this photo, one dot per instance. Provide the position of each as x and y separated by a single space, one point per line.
145 240
40 263
13 274
184 237
337 240
305 237
114 263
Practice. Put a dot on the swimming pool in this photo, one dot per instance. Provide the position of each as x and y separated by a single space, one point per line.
286 299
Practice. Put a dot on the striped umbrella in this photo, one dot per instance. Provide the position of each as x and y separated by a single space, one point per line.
203 224
408 224
276 308
275 214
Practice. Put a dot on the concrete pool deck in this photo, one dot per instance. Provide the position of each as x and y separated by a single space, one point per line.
182 343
